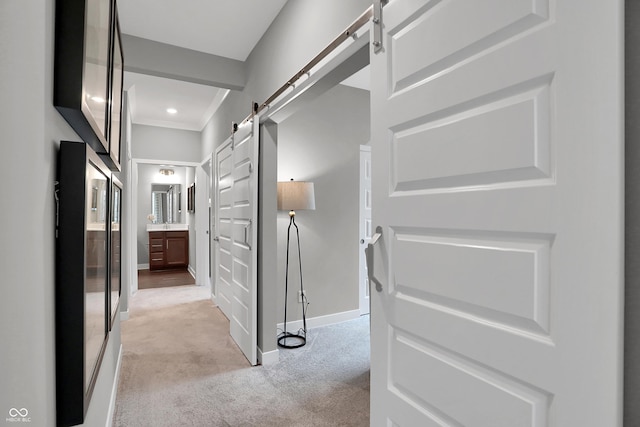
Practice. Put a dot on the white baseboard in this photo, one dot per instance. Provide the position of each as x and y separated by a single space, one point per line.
213 300
314 322
124 315
191 271
268 358
143 266
114 390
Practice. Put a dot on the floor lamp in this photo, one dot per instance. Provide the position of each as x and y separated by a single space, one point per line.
294 196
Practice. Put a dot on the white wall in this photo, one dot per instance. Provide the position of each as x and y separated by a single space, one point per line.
153 142
31 132
321 143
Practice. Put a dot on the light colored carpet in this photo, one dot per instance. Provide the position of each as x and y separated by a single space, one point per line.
180 367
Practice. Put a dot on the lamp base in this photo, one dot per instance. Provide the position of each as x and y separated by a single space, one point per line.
296 340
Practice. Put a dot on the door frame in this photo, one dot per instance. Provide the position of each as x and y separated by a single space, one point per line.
350 57
132 187
202 200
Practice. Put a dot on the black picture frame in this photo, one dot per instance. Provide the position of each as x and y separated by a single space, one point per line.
83 71
116 95
82 271
115 253
191 198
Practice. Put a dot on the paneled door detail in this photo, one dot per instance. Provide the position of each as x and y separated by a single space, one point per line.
236 235
497 153
365 224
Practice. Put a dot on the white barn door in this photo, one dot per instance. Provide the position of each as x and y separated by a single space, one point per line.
236 235
497 148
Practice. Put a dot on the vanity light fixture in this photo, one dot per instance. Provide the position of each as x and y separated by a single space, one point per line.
166 172
172 110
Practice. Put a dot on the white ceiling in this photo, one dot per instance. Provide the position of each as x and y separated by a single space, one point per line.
151 96
360 80
229 28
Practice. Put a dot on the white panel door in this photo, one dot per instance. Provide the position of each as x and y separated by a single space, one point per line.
236 235
244 237
497 150
365 224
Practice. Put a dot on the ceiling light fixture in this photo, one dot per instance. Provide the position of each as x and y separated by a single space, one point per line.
172 110
166 172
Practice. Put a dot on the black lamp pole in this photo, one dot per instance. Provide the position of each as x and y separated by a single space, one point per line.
300 338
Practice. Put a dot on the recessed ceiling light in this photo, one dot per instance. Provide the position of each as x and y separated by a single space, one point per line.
172 110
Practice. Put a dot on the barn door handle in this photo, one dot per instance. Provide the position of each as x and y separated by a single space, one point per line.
246 234
369 255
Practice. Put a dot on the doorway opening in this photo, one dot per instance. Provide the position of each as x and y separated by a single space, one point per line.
321 143
160 205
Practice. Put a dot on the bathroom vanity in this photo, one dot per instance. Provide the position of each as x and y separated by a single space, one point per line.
168 247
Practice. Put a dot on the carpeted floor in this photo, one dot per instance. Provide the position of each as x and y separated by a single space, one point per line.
181 367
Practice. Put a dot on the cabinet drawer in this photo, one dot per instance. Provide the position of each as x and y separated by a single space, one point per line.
156 259
156 245
177 235
155 264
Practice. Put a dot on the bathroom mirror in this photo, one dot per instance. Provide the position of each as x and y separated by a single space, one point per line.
166 203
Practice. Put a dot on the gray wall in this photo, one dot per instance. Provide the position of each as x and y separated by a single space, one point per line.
301 30
31 132
321 143
153 142
632 215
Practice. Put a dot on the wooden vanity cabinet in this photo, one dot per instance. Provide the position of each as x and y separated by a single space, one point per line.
168 249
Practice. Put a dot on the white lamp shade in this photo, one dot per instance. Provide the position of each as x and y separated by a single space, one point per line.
296 195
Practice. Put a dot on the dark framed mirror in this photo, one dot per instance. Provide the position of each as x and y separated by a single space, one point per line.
82 271
88 70
116 93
